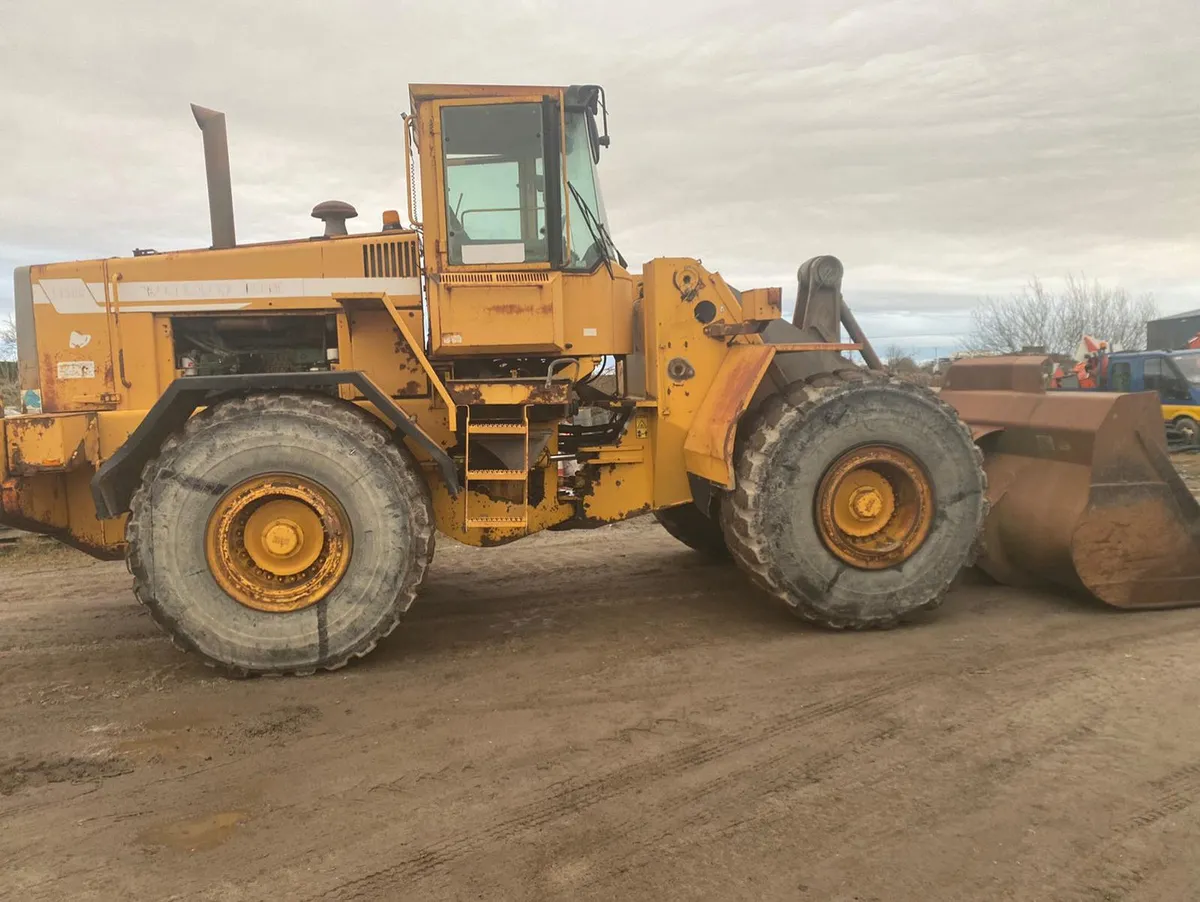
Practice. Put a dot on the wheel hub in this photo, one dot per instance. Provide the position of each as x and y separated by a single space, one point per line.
283 537
874 507
866 504
278 543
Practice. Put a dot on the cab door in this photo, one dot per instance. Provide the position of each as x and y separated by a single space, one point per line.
495 285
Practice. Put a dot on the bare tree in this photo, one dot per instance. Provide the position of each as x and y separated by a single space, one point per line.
898 360
1039 317
8 338
8 370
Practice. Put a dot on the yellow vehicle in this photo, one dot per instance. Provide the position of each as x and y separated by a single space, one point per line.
272 434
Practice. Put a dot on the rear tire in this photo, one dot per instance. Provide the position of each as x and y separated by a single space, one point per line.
328 443
771 521
689 525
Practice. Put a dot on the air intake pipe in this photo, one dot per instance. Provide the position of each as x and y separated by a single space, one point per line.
216 165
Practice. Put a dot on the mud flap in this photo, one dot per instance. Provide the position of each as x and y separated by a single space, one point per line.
1082 489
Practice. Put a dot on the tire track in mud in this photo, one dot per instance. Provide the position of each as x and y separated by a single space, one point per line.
571 796
635 847
827 764
789 767
976 662
1176 792
1117 865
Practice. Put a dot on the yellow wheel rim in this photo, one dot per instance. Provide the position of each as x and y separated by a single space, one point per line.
278 543
874 507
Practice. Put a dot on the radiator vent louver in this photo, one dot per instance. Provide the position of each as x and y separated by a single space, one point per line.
390 259
496 278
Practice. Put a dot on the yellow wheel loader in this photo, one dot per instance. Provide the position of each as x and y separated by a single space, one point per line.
271 435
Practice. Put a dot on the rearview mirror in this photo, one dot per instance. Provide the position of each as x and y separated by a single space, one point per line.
593 137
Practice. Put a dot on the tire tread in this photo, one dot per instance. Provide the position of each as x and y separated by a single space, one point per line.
765 430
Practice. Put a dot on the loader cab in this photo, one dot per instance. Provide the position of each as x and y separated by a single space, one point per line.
519 254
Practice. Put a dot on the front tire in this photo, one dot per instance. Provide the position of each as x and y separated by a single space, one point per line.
859 498
280 534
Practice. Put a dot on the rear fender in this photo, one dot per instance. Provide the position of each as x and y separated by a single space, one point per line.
117 479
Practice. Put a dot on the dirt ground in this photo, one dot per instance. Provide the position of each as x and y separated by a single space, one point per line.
1188 465
602 716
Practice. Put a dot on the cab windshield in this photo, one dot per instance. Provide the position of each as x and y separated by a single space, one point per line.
589 237
1189 365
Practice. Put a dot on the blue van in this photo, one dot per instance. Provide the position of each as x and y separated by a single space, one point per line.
1175 375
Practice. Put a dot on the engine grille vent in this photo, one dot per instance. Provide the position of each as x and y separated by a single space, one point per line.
390 259
495 278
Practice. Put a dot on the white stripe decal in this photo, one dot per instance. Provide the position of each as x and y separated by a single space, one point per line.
69 295
74 296
72 302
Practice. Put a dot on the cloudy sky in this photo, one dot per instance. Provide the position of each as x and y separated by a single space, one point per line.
944 150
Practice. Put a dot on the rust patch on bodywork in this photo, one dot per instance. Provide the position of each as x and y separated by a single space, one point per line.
31 507
10 503
511 309
509 391
466 394
52 443
514 309
554 393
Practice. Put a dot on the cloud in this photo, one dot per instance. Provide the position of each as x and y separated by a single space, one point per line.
943 151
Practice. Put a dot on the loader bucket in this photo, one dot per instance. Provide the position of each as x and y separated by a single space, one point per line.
1082 490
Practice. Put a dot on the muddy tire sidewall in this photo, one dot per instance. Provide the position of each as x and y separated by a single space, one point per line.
319 439
808 433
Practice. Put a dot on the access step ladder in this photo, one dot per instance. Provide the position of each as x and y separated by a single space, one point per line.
498 436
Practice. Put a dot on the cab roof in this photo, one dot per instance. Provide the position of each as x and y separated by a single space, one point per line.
420 93
1154 351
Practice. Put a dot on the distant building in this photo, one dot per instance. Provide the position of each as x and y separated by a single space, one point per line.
1171 333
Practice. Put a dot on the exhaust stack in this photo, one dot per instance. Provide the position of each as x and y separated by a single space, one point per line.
216 165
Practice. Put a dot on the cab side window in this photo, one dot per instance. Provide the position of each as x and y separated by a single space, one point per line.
1153 374
1121 378
1163 379
495 184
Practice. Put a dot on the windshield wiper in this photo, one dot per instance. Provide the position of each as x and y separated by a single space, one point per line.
595 229
604 231
610 244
